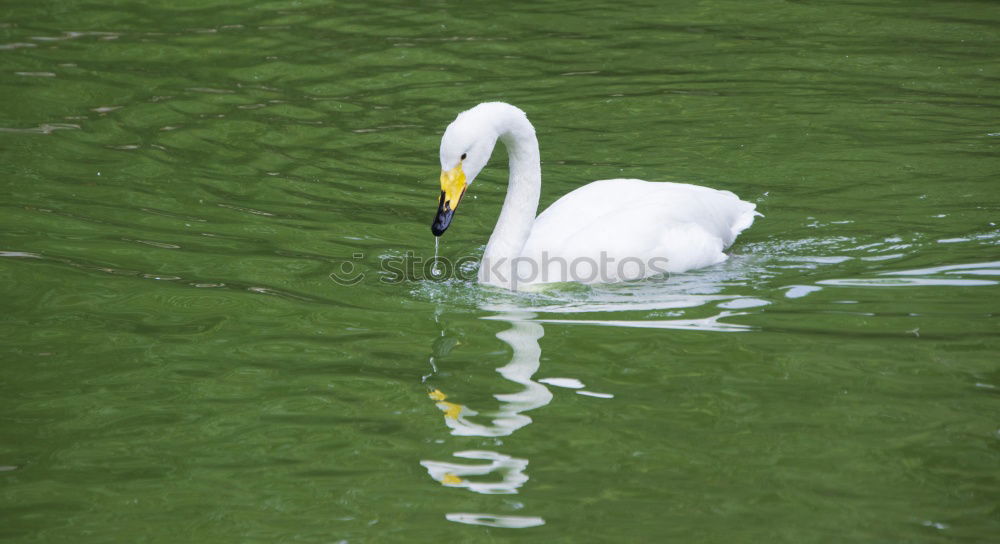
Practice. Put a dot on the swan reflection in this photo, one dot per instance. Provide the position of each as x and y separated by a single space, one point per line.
490 520
492 472
497 473
522 337
509 469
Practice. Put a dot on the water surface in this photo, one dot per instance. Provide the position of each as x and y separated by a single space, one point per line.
181 181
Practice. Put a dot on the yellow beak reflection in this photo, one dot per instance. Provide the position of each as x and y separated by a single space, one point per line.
452 188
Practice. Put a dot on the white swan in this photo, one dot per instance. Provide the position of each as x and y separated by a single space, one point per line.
606 231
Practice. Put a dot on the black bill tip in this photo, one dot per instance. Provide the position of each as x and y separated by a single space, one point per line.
443 217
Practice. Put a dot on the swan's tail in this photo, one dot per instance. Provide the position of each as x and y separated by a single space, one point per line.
746 217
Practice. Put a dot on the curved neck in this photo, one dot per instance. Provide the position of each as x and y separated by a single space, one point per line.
519 207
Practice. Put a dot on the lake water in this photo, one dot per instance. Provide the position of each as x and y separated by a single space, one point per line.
183 181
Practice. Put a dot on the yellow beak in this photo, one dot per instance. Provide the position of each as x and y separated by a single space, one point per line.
452 188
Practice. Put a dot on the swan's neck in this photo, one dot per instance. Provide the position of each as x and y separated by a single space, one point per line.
519 208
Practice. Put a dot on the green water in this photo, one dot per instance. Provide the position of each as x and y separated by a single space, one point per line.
180 182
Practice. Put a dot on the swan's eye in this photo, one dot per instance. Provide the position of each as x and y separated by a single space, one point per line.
463 156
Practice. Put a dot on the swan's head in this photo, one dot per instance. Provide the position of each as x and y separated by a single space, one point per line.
465 148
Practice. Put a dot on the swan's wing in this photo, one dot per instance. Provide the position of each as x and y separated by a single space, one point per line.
669 227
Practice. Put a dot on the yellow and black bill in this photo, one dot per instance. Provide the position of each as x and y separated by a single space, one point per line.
452 188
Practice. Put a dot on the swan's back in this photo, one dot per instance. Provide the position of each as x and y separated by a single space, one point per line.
667 227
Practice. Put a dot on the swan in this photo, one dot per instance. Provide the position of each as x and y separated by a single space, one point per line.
603 232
